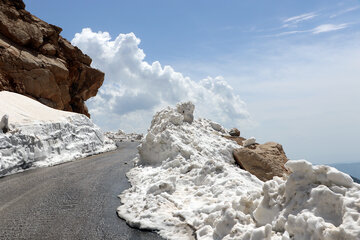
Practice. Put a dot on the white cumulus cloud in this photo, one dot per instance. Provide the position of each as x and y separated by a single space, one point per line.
134 89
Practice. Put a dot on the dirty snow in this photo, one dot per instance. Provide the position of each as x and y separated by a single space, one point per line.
41 136
187 186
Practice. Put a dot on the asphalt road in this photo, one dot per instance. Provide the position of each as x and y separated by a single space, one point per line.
75 200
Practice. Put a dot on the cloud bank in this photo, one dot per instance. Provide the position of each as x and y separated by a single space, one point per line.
134 89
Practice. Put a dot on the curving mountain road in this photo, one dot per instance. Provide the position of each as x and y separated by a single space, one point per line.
74 200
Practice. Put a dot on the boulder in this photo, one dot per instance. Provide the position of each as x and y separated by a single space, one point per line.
37 62
262 160
234 132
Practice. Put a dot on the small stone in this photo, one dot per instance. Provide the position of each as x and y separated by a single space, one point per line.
216 126
234 132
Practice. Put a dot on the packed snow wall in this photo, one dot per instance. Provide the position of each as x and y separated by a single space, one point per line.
41 136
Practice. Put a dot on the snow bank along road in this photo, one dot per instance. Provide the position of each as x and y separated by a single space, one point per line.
41 136
75 200
188 187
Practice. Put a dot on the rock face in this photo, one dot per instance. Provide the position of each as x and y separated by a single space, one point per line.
262 160
37 62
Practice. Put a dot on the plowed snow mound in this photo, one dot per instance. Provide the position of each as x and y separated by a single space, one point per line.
187 186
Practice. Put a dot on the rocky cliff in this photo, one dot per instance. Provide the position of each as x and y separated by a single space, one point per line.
37 62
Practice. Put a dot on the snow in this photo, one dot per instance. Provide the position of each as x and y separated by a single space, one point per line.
41 136
315 201
24 110
121 136
187 111
187 186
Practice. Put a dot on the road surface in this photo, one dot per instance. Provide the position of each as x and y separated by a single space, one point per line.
74 200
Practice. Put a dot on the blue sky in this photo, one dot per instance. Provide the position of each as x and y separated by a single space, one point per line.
294 64
176 30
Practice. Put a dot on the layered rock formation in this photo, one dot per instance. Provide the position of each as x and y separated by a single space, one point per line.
36 61
262 160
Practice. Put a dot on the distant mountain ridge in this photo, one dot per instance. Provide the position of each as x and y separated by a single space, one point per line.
353 169
356 179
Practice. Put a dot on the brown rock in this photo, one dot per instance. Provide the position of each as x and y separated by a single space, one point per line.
238 140
36 61
234 132
262 160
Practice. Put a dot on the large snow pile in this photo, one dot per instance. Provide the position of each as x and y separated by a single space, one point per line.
187 186
42 136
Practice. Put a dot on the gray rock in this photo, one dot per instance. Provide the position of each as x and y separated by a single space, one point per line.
4 123
216 126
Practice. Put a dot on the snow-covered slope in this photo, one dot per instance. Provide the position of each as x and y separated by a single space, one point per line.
42 136
187 186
